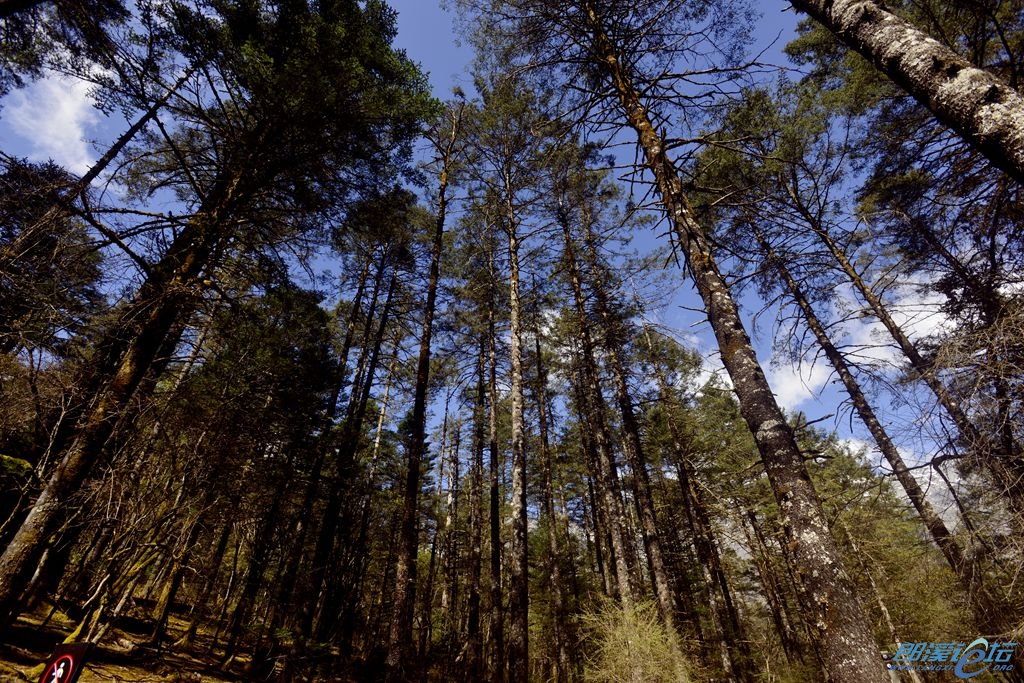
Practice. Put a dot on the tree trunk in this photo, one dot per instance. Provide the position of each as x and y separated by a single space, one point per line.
592 405
632 444
782 617
496 636
127 351
827 593
1005 468
981 108
519 574
886 617
318 588
400 640
474 642
554 559
986 618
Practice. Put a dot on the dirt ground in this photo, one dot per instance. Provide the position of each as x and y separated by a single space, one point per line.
30 643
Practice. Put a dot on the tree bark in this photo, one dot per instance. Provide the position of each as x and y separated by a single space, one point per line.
400 640
978 106
828 594
496 635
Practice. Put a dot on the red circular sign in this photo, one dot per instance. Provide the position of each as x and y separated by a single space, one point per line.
60 670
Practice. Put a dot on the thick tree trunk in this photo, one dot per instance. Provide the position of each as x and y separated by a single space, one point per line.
827 593
981 108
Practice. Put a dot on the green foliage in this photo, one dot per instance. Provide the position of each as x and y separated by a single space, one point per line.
57 33
631 645
49 270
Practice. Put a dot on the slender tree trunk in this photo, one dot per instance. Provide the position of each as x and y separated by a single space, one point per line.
1005 468
981 602
519 569
179 564
474 641
886 617
603 546
451 556
400 640
554 559
632 443
827 593
981 108
593 406
212 567
319 588
496 635
427 598
254 570
782 618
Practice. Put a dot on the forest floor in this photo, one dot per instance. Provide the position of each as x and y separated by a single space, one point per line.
116 660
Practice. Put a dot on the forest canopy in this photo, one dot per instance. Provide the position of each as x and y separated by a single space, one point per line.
315 375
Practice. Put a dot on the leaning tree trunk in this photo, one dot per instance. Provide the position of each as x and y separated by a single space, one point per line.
774 591
985 616
978 106
828 595
129 348
1005 468
319 585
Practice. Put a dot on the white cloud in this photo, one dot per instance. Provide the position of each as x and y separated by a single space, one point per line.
794 383
52 116
918 313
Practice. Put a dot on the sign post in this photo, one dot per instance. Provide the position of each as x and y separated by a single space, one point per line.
66 663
